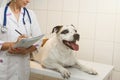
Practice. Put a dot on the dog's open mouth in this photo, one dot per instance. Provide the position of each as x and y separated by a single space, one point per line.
71 44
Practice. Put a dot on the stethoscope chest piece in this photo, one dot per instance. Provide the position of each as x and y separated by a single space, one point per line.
3 29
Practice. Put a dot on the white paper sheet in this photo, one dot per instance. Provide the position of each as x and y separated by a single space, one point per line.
27 42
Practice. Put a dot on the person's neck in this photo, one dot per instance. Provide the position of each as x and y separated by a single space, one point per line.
14 7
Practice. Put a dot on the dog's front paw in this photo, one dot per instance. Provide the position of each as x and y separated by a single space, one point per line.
92 72
65 74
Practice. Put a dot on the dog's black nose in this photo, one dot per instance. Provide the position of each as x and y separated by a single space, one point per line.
76 36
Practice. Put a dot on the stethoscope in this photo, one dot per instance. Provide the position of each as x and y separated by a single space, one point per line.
4 28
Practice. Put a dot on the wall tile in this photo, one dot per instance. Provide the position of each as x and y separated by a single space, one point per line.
42 19
86 50
71 5
118 6
55 5
88 5
106 6
70 18
103 52
40 4
117 29
87 25
116 58
54 19
105 27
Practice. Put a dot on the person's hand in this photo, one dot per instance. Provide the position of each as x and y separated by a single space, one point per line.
22 51
21 37
7 45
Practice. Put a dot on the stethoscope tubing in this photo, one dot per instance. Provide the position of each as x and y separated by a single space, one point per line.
5 16
4 28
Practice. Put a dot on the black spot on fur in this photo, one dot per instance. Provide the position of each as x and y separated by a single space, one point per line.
65 31
56 29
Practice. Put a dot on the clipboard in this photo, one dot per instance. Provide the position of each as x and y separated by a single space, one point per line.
27 42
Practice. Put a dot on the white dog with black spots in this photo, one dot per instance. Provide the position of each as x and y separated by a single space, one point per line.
58 51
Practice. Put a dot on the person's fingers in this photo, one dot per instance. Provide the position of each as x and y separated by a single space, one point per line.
32 48
11 50
22 51
28 50
23 36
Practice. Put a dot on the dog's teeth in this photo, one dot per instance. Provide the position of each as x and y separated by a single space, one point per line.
68 43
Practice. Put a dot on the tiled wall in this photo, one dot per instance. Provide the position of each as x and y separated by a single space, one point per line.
98 22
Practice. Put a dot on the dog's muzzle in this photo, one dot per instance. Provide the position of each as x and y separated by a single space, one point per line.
72 44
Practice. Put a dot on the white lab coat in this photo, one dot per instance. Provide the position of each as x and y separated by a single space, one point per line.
16 67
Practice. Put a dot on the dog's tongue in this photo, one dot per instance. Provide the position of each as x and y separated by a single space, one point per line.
74 46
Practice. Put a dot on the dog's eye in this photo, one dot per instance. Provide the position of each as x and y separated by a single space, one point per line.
64 32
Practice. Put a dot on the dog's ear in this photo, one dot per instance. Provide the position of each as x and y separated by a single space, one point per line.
57 29
72 25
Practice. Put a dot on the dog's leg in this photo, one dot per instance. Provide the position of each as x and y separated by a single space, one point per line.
85 68
64 72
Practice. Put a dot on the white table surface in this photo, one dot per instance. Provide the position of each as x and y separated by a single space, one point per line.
102 69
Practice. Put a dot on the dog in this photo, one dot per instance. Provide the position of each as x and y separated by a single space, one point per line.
58 51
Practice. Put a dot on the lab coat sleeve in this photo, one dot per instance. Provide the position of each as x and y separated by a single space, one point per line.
1 21
1 41
36 31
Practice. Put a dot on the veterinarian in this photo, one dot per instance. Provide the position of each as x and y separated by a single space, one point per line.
14 62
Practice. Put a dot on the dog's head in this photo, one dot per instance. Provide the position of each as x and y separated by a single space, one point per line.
68 36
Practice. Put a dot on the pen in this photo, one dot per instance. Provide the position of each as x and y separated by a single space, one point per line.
18 32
